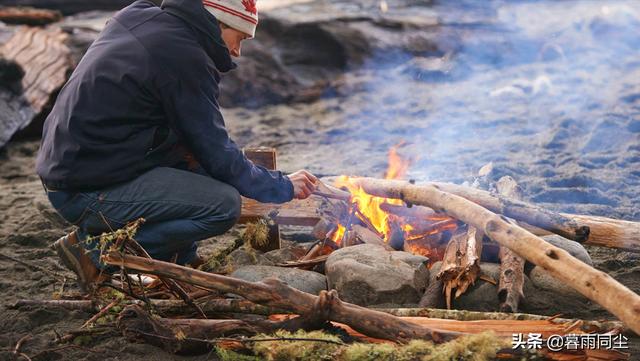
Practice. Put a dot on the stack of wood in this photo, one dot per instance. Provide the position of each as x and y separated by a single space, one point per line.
209 316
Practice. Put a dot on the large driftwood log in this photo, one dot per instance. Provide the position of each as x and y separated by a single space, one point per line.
28 16
71 6
603 231
595 285
273 293
510 286
45 60
461 264
521 211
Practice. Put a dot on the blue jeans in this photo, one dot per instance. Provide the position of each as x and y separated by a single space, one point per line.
180 208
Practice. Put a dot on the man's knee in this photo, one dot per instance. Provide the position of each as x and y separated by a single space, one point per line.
232 204
227 209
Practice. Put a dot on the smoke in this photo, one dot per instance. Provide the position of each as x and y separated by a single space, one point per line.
547 91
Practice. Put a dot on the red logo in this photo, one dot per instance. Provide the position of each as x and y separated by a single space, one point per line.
250 6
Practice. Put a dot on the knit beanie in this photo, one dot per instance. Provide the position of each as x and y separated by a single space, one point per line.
241 15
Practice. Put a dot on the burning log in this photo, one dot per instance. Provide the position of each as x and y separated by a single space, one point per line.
510 291
595 285
364 235
461 263
273 293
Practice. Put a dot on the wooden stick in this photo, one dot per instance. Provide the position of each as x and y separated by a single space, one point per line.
510 289
274 293
522 211
461 264
595 285
464 315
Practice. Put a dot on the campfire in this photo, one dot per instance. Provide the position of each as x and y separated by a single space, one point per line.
371 219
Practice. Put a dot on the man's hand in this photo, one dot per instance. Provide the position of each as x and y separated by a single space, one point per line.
304 183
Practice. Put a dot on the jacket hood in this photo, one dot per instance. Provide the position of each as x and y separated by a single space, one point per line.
209 35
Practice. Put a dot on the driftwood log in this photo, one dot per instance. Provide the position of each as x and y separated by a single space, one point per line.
71 6
510 286
28 16
595 285
45 62
274 293
461 264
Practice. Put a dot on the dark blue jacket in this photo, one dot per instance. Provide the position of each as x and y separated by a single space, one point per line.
148 84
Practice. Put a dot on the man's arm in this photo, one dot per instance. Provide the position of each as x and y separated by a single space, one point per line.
189 100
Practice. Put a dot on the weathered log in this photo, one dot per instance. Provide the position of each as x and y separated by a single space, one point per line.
608 232
510 286
595 285
71 6
461 264
28 16
273 293
603 231
45 59
464 315
521 211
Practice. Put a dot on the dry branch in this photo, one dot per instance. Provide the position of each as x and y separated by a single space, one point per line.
595 285
461 264
273 293
510 289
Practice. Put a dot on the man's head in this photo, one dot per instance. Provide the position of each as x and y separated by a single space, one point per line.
238 20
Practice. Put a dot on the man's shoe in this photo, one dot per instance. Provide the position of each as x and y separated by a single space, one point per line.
75 258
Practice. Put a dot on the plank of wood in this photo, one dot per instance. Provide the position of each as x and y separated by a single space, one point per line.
305 212
266 157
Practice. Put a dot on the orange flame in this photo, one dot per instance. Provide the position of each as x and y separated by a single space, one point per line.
368 205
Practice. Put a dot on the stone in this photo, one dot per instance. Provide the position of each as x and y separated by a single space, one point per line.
370 275
483 295
242 257
306 281
288 254
544 280
574 248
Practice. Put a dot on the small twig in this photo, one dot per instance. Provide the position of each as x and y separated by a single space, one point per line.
36 267
16 350
99 314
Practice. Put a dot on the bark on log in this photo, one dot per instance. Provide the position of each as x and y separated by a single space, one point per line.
28 16
461 264
595 285
273 293
510 286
